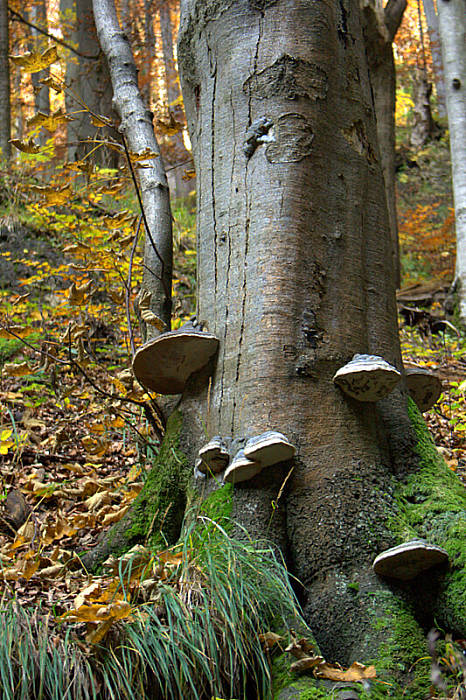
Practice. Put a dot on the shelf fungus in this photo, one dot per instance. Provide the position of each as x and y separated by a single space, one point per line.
165 363
409 559
214 456
241 469
367 378
269 448
423 385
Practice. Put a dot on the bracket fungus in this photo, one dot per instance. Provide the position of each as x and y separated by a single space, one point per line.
367 378
423 385
409 559
214 456
269 448
241 469
165 363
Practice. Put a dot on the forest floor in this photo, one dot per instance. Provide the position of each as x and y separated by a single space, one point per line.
75 442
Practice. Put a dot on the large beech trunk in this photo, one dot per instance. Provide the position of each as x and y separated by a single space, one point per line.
295 275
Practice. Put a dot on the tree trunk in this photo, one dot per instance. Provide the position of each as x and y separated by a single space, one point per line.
5 128
379 28
88 80
38 16
178 186
295 275
436 53
424 127
137 127
452 21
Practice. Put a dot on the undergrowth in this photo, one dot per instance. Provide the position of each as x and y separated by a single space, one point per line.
199 637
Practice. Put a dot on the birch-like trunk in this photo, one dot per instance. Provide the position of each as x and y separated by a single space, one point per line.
452 23
436 53
5 127
137 129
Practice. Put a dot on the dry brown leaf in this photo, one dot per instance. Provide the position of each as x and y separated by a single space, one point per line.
50 122
269 639
16 332
77 295
25 146
17 370
114 517
356 672
306 663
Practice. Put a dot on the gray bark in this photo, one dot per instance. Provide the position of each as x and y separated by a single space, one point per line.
88 79
452 19
424 127
5 127
380 27
295 275
178 186
436 52
137 128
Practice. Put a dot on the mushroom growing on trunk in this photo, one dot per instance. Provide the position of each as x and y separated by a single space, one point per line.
367 378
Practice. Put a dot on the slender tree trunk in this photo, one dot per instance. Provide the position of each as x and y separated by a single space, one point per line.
137 128
436 52
424 127
5 127
180 154
380 27
149 53
38 17
452 20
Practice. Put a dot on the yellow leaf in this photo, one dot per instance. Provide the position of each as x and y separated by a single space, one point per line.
147 314
50 122
29 569
96 635
170 127
119 219
52 83
146 154
189 175
54 196
33 61
25 146
16 332
5 434
20 370
99 120
5 446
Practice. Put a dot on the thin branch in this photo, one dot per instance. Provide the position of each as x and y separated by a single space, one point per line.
128 287
19 18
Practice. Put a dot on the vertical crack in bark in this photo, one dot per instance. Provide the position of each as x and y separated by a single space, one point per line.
212 176
246 242
227 274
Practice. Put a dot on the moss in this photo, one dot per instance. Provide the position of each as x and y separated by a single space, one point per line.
158 511
218 506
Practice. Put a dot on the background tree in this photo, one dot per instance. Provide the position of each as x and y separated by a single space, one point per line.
5 128
452 22
88 79
38 18
436 53
380 26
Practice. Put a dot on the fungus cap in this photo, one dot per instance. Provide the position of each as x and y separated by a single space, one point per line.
269 448
241 469
409 559
165 363
367 378
424 386
214 456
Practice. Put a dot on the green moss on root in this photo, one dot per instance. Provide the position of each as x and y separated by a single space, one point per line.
218 506
158 511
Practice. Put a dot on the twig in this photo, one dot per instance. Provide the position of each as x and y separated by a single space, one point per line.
143 214
128 287
20 18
